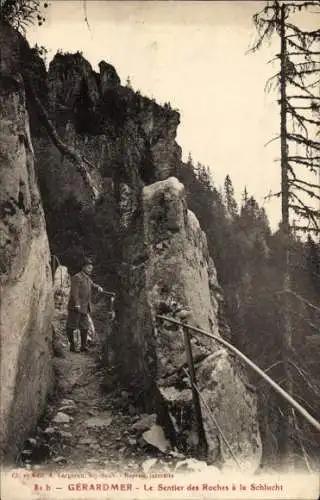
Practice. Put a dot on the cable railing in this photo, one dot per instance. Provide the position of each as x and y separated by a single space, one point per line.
192 330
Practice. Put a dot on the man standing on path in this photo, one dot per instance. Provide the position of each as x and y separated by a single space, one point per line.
79 305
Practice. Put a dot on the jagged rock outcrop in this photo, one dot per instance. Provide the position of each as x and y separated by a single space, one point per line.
109 78
171 266
69 78
26 283
125 137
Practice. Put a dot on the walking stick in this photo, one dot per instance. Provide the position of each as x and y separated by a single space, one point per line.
111 294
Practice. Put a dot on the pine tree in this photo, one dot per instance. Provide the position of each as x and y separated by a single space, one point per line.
190 159
231 204
128 82
313 263
244 197
296 80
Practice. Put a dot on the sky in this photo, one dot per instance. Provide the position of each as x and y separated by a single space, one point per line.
194 55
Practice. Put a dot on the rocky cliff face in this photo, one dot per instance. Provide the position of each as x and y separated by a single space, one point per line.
143 236
125 136
126 139
172 269
26 296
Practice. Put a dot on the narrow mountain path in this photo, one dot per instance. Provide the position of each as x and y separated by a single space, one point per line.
91 422
94 417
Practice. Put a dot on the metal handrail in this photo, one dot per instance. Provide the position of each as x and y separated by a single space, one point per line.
252 365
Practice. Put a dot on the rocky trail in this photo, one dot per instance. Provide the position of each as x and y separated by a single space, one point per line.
92 423
89 419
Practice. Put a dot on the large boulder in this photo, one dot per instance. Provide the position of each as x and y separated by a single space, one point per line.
26 283
171 273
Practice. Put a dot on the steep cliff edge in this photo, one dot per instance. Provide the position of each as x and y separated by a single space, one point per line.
26 295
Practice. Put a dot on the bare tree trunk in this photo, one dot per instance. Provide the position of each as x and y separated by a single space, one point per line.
285 441
80 162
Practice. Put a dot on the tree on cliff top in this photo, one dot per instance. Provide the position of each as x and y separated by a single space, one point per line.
21 13
230 201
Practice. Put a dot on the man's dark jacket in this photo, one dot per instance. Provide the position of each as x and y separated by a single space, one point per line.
80 294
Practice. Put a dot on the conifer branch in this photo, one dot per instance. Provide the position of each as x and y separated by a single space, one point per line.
312 325
312 194
303 50
308 162
301 87
291 110
309 52
304 376
270 80
271 140
307 229
303 210
303 5
302 140
304 453
307 108
313 84
303 97
302 299
301 33
301 119
308 71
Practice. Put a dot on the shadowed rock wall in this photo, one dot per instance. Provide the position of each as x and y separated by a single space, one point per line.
26 284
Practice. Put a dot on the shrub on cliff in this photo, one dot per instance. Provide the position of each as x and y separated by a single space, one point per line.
21 13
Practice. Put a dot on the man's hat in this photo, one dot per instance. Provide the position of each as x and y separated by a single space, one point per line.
87 260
